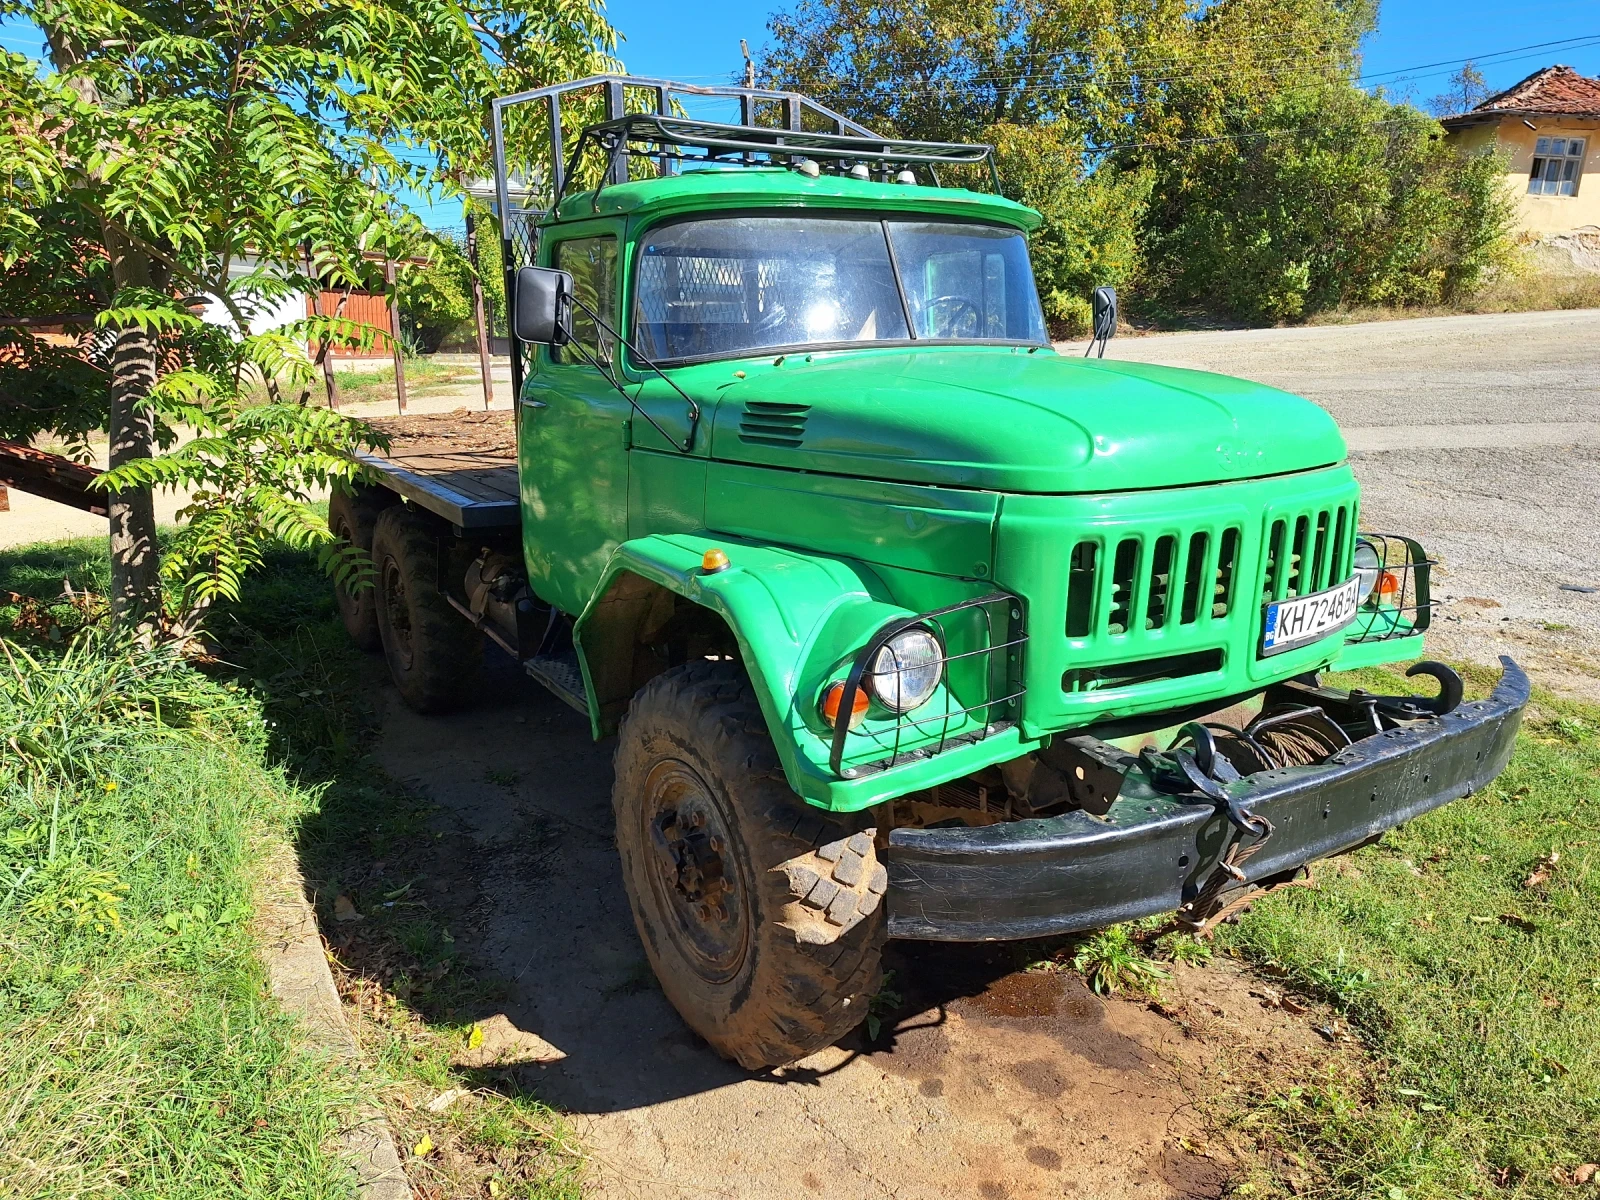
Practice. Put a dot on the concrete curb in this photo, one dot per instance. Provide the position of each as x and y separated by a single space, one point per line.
297 969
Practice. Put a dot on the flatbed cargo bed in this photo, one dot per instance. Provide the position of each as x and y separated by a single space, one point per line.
461 466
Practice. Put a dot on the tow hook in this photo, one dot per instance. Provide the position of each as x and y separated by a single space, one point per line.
1412 708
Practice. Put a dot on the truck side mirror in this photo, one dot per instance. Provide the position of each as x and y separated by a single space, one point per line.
1103 322
541 313
1105 313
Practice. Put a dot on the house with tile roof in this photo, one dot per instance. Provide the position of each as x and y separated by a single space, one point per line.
1550 124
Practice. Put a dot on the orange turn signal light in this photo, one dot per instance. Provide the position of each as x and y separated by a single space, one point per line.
830 705
714 560
1388 584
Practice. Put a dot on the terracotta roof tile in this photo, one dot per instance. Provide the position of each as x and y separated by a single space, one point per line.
1556 91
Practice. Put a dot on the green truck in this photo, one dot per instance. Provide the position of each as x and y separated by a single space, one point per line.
906 624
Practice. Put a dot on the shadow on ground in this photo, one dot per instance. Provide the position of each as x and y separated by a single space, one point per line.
482 863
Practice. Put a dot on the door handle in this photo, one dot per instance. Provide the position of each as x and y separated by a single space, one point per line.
534 404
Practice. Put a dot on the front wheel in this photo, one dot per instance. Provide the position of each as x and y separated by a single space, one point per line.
761 916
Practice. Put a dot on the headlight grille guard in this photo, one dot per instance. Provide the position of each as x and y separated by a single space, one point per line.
1411 610
1010 674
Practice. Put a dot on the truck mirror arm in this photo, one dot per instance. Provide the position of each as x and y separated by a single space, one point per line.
694 407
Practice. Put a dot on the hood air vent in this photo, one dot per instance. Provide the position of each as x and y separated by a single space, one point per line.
766 423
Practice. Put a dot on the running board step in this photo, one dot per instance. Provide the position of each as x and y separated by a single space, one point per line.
563 676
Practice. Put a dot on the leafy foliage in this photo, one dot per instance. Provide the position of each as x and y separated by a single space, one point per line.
1217 156
1342 199
1091 220
242 156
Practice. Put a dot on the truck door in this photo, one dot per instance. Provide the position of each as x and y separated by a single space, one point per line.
572 448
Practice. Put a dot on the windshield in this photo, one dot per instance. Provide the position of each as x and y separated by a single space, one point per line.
726 286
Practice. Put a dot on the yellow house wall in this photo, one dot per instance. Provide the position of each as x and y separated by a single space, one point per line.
1541 215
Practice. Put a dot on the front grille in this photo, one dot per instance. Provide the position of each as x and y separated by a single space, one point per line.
1171 582
767 423
1146 670
1306 552
1148 606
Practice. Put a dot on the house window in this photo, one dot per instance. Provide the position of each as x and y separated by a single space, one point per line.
1557 163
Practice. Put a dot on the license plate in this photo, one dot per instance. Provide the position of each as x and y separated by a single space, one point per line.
1291 623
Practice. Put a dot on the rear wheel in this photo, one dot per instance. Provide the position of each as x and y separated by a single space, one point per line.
761 915
432 651
352 516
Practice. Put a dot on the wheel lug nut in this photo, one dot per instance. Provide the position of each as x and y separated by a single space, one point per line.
704 912
716 844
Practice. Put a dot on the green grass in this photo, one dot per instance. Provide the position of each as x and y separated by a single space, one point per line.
1473 981
144 1055
140 1054
423 378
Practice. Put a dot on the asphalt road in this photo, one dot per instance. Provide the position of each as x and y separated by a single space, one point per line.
1478 435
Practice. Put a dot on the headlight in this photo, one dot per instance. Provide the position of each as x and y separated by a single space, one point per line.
906 670
1369 567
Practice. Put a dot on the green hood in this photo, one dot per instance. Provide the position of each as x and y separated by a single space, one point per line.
1010 421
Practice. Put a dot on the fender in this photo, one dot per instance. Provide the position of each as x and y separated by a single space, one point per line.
798 619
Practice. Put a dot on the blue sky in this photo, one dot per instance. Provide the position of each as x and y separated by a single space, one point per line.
698 42
1418 45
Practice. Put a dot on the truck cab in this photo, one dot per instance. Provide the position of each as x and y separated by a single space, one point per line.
907 623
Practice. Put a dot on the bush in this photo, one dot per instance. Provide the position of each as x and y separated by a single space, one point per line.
1091 219
1341 199
436 300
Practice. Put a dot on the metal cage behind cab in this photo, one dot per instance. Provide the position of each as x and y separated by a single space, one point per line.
774 127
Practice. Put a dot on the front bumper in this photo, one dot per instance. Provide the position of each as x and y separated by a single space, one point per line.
1151 853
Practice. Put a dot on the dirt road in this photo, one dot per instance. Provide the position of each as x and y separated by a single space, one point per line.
1478 435
987 1082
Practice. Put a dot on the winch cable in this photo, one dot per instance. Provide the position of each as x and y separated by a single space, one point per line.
1213 754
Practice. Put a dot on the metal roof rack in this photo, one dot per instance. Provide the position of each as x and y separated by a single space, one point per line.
664 134
667 139
771 130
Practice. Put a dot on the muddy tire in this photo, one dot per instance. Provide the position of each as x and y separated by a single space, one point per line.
761 915
352 516
432 651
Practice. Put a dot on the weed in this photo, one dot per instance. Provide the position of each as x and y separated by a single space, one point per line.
1185 948
884 1002
1111 961
502 778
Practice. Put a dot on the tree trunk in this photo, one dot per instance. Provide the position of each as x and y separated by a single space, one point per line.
135 364
479 322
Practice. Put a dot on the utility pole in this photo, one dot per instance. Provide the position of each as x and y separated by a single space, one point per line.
749 64
480 321
394 335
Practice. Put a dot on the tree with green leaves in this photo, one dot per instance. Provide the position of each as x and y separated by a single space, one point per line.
238 153
526 44
1219 156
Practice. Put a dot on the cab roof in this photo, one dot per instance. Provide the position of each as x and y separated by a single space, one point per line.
739 186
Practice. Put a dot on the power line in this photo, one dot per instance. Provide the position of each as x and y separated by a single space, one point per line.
1062 81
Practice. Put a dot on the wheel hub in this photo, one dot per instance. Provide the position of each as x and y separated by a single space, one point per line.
394 603
695 878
